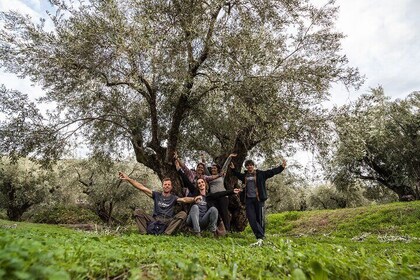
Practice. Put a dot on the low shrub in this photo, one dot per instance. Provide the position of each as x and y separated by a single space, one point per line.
3 214
63 214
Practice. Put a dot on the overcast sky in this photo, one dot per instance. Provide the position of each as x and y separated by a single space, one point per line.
383 41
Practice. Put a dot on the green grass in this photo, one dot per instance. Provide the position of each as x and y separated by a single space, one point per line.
299 245
391 219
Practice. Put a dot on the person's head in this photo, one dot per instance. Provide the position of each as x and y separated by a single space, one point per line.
202 184
200 168
167 185
249 165
215 169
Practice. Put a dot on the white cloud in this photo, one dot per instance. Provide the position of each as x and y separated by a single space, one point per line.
33 9
30 7
382 41
22 85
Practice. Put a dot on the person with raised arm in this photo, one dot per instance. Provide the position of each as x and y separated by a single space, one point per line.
200 172
218 185
255 194
163 209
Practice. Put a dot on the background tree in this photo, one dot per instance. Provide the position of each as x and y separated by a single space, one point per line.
380 194
220 75
327 196
23 184
378 140
286 193
104 194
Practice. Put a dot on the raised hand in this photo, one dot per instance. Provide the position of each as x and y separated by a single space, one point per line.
123 176
203 159
284 163
177 165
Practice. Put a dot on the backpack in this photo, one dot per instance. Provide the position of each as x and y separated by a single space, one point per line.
156 227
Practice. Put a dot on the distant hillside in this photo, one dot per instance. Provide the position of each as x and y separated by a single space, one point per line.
401 218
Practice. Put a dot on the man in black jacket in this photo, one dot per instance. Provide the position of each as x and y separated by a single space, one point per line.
255 194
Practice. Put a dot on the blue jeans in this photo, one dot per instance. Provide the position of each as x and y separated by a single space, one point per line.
255 215
209 220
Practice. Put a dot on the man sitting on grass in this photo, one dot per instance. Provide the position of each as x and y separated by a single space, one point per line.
163 211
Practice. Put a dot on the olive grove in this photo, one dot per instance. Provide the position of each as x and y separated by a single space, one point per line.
155 77
378 143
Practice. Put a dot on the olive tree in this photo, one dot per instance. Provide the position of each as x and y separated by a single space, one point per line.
219 76
23 184
104 192
287 192
378 141
327 196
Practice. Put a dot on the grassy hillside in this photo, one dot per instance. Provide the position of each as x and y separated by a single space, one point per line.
398 219
378 242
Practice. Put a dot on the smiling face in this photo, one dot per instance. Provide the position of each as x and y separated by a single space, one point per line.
201 185
250 167
214 170
167 186
200 169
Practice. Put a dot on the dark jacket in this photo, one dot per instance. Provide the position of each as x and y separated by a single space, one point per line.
261 177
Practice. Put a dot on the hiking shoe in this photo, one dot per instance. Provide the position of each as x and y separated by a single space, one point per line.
259 243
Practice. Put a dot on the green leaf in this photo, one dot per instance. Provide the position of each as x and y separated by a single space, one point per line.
320 273
404 260
298 274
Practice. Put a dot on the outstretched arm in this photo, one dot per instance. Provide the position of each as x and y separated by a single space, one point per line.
187 183
186 199
203 160
277 170
226 164
211 177
217 195
237 174
184 168
134 183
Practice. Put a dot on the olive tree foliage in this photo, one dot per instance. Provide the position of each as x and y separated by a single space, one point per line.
105 194
378 142
218 76
23 184
377 193
25 129
286 192
327 196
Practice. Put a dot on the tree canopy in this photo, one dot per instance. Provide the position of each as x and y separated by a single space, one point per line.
218 76
379 141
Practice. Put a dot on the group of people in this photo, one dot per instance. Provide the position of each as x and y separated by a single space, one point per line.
209 198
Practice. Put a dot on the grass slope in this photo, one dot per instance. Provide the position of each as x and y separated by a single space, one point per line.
387 219
378 242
